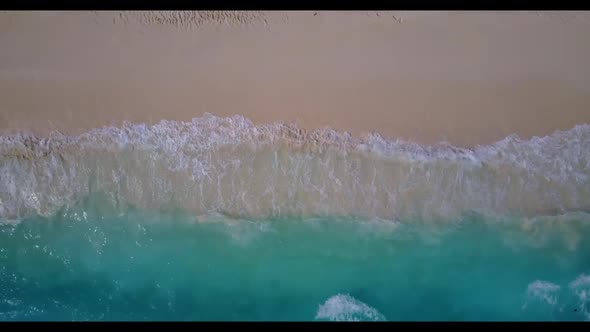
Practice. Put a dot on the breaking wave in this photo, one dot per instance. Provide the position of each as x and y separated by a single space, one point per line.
233 167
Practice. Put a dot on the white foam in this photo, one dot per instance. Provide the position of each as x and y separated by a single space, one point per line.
343 307
582 282
231 166
544 290
581 287
548 293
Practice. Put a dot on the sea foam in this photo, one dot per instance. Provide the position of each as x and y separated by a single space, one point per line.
233 167
343 307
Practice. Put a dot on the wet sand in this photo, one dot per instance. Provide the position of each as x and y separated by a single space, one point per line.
465 77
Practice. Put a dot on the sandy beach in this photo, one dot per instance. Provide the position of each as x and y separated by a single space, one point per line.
465 77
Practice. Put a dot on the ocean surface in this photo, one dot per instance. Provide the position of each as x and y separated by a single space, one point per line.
219 219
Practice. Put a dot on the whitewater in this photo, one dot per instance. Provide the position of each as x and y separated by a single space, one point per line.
222 219
233 167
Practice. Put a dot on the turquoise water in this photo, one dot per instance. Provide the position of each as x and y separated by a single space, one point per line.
86 263
211 220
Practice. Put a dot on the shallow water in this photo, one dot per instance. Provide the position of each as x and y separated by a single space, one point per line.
89 262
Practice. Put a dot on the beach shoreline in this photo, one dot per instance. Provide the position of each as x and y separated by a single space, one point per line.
468 78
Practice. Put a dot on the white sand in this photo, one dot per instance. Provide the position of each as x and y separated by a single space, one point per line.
467 77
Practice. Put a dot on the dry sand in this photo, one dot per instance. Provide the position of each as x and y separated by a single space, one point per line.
465 77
